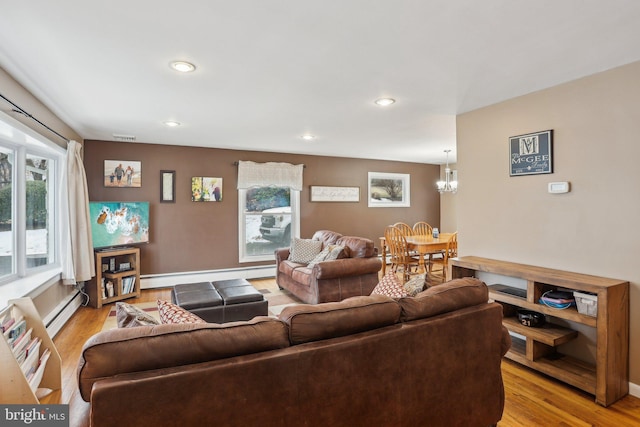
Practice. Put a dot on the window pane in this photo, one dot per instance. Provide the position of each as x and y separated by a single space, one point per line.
6 211
267 220
37 211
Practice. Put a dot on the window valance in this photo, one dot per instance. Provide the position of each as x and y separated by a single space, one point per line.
251 174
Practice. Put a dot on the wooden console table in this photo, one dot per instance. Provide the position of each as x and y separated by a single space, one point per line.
608 379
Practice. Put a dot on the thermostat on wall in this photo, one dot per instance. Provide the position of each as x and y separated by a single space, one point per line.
559 187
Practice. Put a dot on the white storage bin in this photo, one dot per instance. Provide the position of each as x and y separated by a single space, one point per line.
587 303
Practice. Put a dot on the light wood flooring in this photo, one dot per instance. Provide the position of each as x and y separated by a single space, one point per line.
532 399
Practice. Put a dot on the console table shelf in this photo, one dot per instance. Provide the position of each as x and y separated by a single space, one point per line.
125 283
608 378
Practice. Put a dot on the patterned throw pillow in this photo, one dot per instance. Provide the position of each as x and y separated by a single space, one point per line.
390 286
415 285
129 316
304 251
171 313
329 253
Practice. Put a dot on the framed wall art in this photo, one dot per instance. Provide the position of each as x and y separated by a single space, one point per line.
167 186
321 193
389 190
205 189
531 154
122 173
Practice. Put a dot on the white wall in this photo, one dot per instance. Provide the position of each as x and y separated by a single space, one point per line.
594 228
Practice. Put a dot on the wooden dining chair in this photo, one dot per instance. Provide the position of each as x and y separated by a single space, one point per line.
443 262
406 229
422 228
399 252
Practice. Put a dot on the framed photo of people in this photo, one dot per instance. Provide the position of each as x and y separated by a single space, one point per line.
122 173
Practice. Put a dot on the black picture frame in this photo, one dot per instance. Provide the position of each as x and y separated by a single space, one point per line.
531 154
167 186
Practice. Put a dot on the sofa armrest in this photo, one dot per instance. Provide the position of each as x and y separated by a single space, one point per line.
281 254
506 340
346 267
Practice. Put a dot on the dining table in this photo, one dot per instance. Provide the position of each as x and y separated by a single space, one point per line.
423 244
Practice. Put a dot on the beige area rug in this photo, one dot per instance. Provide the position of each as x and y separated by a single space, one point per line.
278 300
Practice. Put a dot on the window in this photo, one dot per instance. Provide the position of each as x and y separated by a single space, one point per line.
7 240
39 211
269 217
29 172
268 208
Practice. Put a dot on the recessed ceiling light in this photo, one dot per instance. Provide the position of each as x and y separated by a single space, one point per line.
308 137
171 123
383 102
183 66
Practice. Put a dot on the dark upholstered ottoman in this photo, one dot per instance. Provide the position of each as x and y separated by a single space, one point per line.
221 301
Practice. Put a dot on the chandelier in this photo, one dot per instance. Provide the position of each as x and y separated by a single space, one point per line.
449 185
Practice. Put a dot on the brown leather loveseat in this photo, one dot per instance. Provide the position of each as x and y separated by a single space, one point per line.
429 360
356 274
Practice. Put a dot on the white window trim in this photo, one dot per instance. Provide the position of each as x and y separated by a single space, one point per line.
295 226
25 140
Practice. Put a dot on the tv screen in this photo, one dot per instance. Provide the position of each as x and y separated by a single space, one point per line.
119 223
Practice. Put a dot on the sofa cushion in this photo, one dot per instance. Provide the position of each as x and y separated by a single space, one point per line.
390 286
171 313
359 247
119 351
304 250
287 267
449 296
335 319
129 316
302 275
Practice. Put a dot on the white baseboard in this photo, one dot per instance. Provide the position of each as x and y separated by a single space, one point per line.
171 279
60 315
634 389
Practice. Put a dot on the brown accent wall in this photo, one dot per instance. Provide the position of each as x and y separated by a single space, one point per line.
594 228
189 236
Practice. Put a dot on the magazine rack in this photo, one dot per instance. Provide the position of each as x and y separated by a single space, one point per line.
14 387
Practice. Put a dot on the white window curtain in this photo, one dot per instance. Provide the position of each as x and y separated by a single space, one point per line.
251 174
78 264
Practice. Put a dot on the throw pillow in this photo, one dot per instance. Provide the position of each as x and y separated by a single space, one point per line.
329 253
303 251
415 285
390 286
171 313
129 316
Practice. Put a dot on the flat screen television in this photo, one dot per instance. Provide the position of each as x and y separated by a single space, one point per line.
116 224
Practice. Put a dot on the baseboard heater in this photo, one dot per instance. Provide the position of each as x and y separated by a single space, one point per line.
149 281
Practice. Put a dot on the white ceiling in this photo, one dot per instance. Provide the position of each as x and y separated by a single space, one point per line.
269 71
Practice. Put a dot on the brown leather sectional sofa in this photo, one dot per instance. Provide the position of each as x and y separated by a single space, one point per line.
429 360
331 280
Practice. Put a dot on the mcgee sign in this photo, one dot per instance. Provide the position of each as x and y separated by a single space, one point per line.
531 154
